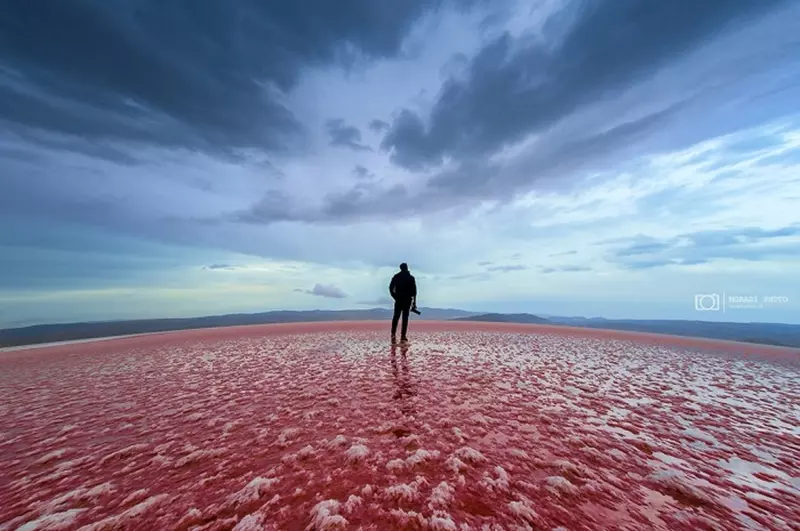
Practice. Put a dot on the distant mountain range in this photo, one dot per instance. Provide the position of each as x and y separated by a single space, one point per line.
776 334
48 333
505 318
785 335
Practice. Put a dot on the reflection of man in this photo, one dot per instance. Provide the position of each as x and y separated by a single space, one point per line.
402 380
403 289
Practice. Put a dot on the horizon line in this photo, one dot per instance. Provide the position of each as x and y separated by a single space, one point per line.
382 308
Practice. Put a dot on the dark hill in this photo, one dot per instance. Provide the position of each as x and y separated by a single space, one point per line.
525 318
49 333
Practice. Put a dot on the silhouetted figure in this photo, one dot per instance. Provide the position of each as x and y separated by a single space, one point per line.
403 289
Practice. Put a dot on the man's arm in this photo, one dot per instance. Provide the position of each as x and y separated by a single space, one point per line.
413 290
393 287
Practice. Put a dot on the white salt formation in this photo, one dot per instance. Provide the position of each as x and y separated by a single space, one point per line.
473 430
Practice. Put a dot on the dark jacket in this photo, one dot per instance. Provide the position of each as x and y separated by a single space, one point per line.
403 286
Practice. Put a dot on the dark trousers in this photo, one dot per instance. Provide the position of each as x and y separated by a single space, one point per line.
401 307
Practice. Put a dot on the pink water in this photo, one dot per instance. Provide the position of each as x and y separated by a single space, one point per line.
470 426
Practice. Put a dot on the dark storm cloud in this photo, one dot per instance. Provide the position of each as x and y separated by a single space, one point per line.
42 255
321 290
470 180
514 87
41 269
379 126
19 155
556 157
481 179
746 243
362 173
32 141
199 74
343 135
363 203
273 207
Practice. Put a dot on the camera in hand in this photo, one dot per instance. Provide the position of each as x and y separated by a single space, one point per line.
414 309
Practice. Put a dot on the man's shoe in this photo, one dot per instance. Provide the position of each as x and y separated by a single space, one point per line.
394 339
403 340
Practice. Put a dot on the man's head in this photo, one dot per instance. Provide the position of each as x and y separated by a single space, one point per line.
404 267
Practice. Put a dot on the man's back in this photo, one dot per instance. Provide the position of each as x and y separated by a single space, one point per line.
403 285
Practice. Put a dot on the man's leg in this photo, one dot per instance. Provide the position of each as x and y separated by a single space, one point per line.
406 309
396 317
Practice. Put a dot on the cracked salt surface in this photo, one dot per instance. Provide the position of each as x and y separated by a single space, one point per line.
474 429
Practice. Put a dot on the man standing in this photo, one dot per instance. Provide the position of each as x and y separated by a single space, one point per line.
403 289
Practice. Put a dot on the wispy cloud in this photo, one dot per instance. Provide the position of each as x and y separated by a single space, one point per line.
227 267
507 268
742 243
565 269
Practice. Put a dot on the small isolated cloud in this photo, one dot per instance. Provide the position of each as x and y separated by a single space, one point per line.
477 277
227 267
645 246
343 135
379 126
565 253
565 269
321 290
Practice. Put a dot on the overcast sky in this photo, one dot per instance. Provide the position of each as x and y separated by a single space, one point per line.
570 157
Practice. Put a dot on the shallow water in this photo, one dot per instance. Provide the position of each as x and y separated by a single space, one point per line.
268 428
